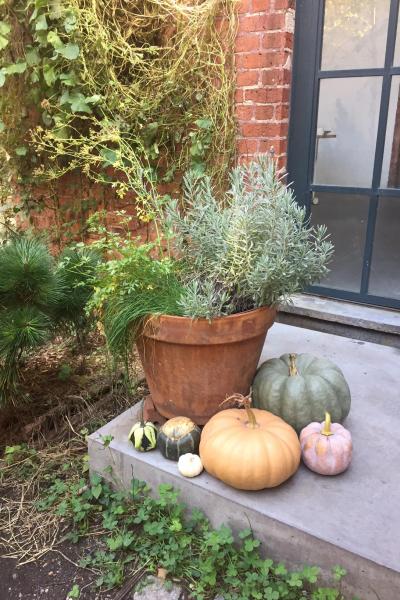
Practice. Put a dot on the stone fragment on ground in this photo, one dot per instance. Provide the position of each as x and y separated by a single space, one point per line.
154 588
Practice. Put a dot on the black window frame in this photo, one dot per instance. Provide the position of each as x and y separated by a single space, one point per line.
306 78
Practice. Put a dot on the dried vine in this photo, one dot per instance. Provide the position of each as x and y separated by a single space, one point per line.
129 93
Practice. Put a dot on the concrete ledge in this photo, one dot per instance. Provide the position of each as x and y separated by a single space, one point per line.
352 519
361 322
345 313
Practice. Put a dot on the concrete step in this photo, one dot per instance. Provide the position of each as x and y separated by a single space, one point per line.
352 519
348 319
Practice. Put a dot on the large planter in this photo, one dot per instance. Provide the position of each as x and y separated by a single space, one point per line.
192 365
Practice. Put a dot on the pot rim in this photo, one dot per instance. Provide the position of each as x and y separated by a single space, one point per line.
214 319
205 332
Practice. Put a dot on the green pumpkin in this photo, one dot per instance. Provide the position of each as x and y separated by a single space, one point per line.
301 388
178 436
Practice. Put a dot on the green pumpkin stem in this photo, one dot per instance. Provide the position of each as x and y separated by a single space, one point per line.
142 414
292 365
326 430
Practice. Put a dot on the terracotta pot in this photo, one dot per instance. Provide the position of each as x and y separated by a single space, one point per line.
192 365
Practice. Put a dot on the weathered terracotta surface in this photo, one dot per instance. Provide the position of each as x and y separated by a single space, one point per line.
191 366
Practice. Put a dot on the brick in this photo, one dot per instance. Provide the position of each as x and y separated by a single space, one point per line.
261 5
276 94
275 21
263 60
279 145
251 60
247 78
284 4
253 23
272 77
245 146
281 112
248 42
274 40
244 112
239 96
261 130
264 113
260 96
245 6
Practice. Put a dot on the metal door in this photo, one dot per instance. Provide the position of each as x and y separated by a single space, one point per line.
344 140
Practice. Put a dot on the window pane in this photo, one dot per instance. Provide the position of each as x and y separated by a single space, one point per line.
385 266
391 158
346 130
345 217
355 34
396 60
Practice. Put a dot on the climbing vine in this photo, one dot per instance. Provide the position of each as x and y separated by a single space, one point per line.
129 94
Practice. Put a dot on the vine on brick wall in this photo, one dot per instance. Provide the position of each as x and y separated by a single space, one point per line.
126 93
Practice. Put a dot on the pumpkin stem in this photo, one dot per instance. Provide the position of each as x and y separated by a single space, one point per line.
251 416
244 401
326 430
142 414
292 365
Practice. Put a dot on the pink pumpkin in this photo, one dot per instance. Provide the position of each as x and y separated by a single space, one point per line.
326 448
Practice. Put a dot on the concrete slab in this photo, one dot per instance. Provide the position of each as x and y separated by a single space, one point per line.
347 313
352 519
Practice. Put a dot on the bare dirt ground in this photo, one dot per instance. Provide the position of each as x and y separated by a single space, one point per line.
64 392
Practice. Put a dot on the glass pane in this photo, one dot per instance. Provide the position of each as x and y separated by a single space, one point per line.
391 158
345 217
355 34
346 130
396 59
385 266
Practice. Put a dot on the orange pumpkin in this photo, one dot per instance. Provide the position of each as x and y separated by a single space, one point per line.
326 448
249 449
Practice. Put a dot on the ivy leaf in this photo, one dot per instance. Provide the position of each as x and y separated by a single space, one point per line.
16 68
47 119
3 42
4 28
109 156
96 491
70 23
49 74
2 77
4 31
69 51
54 39
204 123
41 23
32 57
21 151
77 101
68 79
2 127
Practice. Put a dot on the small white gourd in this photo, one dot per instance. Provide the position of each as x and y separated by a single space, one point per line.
190 465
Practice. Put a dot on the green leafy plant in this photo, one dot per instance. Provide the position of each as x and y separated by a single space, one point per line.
158 530
126 94
212 258
29 293
256 248
76 268
36 298
137 280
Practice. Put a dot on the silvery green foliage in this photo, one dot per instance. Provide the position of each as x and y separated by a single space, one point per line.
256 248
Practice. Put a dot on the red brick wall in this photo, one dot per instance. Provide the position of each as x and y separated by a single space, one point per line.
264 48
263 58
